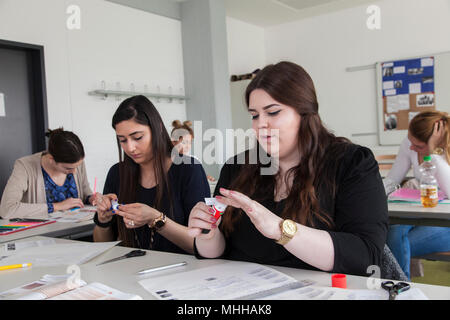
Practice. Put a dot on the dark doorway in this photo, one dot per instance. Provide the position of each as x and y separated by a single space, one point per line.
23 104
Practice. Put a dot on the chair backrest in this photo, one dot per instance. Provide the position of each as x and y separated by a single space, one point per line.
385 161
390 269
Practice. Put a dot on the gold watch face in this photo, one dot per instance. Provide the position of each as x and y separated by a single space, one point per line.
290 227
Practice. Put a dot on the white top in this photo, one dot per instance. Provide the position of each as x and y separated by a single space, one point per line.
407 157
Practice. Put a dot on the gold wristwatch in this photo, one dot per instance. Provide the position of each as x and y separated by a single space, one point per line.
438 151
159 222
288 230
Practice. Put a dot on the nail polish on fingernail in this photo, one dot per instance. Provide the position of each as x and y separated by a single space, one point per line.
213 226
212 210
213 219
113 211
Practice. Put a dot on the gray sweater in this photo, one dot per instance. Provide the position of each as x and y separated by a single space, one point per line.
24 195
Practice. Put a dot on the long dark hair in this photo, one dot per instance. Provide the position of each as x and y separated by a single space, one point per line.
290 84
64 146
142 111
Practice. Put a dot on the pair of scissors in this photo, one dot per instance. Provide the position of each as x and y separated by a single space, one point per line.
395 289
131 254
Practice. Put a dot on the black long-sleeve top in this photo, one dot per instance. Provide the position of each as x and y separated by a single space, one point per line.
189 186
358 211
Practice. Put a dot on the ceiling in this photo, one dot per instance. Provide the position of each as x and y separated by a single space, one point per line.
266 13
263 13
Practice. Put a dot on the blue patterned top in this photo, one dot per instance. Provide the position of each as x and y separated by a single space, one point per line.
55 193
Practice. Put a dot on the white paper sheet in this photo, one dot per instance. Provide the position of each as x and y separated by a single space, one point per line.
390 92
227 281
388 85
427 62
400 69
58 254
329 293
396 103
83 214
55 287
415 87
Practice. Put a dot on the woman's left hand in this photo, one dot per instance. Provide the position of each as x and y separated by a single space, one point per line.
136 215
436 136
263 219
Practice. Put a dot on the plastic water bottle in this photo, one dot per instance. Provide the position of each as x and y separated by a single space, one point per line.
428 183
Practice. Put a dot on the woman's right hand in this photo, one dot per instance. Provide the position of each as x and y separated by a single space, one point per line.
68 204
201 218
103 207
437 135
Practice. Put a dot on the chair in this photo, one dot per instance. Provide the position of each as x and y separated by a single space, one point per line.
385 161
436 256
390 269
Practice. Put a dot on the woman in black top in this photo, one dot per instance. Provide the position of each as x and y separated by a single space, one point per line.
156 192
310 200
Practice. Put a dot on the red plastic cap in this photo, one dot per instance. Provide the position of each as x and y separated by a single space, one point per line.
339 281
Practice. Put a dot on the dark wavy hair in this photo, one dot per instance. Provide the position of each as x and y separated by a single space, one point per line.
320 150
142 111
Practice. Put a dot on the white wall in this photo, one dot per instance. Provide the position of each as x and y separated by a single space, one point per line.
246 47
326 45
115 44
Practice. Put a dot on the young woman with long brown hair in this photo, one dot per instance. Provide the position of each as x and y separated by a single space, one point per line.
324 208
428 134
157 194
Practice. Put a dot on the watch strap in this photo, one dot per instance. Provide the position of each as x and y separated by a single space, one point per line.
101 224
161 218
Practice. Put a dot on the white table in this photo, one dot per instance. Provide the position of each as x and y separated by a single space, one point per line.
416 214
121 274
67 230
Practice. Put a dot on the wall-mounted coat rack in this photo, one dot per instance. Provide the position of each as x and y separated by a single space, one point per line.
119 94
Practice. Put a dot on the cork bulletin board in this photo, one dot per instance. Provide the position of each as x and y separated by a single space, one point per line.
407 87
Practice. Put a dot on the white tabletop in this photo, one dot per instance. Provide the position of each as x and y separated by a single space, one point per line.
56 230
415 213
121 275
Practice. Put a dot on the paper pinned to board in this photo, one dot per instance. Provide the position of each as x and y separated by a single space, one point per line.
2 105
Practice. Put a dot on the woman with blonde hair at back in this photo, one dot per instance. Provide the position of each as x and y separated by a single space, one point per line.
182 136
428 134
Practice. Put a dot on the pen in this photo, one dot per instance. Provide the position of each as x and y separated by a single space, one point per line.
76 208
15 266
170 266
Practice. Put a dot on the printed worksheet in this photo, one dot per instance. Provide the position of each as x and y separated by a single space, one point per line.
227 281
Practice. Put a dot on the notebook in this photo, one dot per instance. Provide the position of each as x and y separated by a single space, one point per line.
21 225
410 195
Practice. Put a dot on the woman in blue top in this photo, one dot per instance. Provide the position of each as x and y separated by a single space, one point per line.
157 192
48 181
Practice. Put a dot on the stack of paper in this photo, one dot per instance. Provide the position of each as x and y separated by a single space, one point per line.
62 288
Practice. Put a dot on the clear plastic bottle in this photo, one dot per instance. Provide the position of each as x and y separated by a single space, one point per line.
428 183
